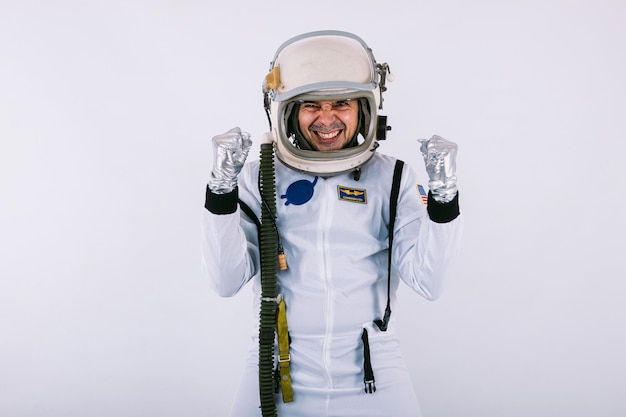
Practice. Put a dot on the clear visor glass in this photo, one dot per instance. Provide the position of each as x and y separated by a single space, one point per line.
310 108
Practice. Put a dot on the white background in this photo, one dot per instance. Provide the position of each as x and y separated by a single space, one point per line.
106 114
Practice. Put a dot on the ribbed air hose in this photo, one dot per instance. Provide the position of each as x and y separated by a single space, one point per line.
269 250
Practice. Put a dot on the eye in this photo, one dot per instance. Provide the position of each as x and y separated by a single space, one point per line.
310 106
341 104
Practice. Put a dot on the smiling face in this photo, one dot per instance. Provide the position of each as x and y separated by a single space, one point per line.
328 125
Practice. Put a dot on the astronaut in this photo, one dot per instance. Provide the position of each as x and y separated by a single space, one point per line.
350 241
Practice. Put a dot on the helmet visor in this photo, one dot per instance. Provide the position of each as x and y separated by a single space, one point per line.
311 124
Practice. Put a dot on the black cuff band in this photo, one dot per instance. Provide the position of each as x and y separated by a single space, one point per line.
443 212
221 203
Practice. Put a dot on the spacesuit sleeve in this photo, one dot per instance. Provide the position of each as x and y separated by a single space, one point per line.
426 240
229 244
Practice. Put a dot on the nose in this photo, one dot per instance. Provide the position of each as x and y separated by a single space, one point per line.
327 113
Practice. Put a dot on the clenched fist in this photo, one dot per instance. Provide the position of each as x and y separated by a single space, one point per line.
440 159
230 151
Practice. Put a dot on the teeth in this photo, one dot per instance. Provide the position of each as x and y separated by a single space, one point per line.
328 135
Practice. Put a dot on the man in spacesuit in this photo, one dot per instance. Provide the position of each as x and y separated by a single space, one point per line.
348 238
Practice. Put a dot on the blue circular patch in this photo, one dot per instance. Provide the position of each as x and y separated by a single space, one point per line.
299 192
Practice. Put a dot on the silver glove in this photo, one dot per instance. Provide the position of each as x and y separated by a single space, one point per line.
440 159
230 151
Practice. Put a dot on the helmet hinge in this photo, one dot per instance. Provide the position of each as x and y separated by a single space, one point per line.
383 70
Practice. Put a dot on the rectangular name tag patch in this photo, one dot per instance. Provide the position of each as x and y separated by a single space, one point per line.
353 195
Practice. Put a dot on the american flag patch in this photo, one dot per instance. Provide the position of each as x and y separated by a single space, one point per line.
423 194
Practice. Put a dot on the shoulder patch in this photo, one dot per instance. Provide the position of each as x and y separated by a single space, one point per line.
353 195
423 194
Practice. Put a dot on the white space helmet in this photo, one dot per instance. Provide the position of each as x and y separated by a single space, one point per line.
329 66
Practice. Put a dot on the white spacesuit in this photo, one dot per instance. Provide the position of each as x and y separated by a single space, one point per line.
332 217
